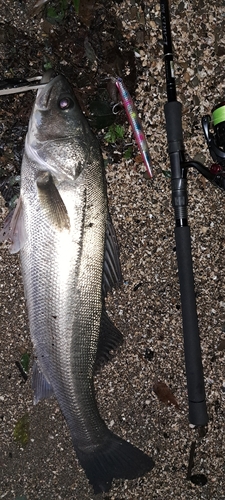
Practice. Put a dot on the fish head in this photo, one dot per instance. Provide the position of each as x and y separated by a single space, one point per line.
59 138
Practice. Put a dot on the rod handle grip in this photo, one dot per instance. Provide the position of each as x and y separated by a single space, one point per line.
192 350
173 115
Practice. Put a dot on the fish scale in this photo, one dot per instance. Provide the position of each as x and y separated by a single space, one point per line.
69 260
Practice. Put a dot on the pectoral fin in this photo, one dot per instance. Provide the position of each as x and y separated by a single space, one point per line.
51 201
14 228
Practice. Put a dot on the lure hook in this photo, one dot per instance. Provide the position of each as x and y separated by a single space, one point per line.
117 105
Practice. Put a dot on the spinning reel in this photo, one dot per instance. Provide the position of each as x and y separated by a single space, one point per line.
214 131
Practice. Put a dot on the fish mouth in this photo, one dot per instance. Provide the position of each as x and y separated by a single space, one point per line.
52 87
44 93
47 76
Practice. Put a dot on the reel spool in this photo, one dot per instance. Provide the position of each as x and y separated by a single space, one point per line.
216 137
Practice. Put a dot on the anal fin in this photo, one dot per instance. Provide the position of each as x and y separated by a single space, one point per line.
40 385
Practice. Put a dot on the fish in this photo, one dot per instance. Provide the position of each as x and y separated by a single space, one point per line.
70 260
135 123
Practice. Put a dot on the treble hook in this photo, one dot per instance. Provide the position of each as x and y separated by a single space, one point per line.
118 104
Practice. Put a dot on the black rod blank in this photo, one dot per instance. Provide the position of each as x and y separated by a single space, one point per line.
168 51
173 114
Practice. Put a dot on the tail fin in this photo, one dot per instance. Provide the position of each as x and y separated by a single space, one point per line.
115 458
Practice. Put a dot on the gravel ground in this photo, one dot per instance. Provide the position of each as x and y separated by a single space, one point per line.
147 307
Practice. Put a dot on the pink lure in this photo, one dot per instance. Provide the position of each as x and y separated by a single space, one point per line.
135 124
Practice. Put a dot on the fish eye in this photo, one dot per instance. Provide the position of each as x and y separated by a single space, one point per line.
65 103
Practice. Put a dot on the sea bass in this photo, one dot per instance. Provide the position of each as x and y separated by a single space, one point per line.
69 260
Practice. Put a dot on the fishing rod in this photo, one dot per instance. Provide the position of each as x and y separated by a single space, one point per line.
216 174
173 114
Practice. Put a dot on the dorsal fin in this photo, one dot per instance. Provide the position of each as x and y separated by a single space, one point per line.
109 339
112 276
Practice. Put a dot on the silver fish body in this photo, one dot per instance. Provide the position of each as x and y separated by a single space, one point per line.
69 260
